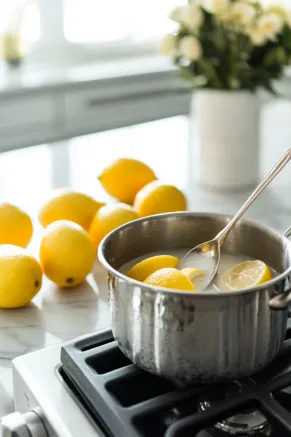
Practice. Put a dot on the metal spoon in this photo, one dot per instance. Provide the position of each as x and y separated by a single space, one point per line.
206 256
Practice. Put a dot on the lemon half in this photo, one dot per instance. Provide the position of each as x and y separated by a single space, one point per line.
246 274
143 269
170 278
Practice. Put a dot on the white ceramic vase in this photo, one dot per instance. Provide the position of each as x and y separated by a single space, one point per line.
227 127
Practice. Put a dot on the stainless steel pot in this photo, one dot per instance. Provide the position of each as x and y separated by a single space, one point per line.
197 336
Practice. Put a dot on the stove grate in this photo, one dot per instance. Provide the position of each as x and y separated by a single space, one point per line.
128 401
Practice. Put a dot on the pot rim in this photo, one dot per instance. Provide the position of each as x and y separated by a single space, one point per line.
108 237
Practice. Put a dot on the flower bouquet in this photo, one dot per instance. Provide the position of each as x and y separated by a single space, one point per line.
227 50
231 45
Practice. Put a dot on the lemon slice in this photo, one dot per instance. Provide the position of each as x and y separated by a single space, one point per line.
192 273
246 274
143 269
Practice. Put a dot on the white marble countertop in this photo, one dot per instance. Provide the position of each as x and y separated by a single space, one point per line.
56 315
53 316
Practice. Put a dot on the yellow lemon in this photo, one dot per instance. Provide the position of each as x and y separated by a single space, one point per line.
15 225
193 273
66 253
170 278
246 274
124 177
157 198
21 276
66 204
143 269
108 218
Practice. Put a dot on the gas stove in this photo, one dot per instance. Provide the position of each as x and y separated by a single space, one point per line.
87 387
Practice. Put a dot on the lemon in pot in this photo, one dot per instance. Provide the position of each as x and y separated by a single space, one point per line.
170 278
246 275
146 267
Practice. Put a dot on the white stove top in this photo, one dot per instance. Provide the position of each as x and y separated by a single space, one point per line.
39 387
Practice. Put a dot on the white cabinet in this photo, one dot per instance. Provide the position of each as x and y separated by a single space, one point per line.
26 113
95 107
40 116
26 120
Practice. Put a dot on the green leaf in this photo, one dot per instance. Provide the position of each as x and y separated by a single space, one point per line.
195 81
276 55
186 73
286 39
199 82
207 68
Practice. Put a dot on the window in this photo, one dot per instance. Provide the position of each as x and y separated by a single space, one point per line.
13 14
79 27
131 20
82 28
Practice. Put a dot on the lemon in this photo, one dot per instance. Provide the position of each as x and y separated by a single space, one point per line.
157 198
108 218
143 269
170 278
246 274
15 225
66 253
66 204
192 273
21 276
124 177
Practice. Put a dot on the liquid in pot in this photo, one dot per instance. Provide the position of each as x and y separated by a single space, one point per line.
228 260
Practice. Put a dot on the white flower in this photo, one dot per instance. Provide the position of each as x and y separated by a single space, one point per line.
215 6
242 13
257 37
192 16
270 25
175 14
276 8
168 45
190 47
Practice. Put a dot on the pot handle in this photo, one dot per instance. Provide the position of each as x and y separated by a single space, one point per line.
282 300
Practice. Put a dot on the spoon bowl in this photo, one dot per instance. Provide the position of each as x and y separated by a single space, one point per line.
205 257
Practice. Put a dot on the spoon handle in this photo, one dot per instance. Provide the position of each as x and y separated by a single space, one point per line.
267 179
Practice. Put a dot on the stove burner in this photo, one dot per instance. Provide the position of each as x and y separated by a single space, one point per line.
249 423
